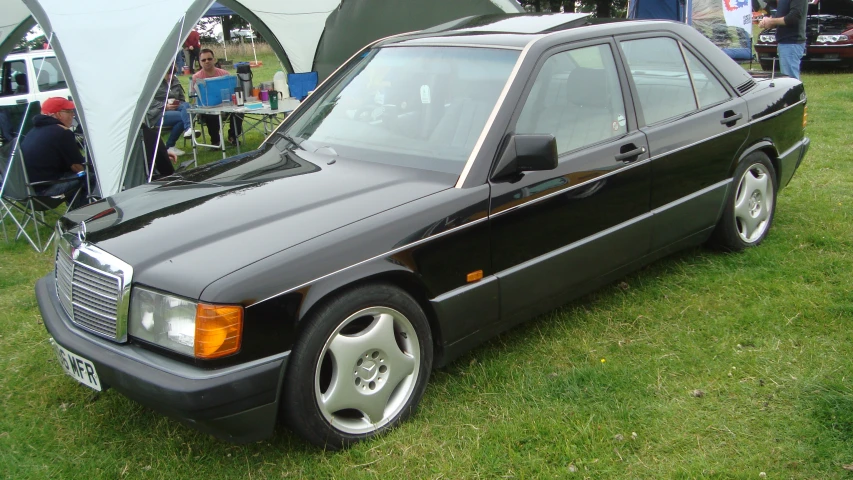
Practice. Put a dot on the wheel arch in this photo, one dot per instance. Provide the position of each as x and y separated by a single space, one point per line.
768 148
380 271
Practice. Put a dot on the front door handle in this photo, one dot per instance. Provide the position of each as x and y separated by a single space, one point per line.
632 154
730 120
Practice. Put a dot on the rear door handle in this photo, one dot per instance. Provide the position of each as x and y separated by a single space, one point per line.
627 156
22 101
731 119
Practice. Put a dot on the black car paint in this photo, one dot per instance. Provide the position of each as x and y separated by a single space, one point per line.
540 239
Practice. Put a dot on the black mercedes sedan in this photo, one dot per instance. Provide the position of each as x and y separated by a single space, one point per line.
439 188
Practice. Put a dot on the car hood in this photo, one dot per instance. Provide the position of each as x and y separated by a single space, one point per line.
184 232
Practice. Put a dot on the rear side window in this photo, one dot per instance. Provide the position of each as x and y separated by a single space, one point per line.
661 77
14 78
49 76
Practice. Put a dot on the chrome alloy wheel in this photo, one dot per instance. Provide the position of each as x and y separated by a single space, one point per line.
754 203
368 370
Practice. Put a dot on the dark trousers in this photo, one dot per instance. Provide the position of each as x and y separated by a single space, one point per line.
235 127
72 184
194 54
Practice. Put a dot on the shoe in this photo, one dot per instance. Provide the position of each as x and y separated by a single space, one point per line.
232 141
189 133
176 151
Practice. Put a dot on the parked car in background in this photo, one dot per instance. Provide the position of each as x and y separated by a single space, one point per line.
31 76
829 36
242 34
441 187
25 78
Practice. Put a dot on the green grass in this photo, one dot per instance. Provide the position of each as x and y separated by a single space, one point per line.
723 365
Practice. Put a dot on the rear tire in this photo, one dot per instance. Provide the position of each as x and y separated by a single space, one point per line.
750 205
359 368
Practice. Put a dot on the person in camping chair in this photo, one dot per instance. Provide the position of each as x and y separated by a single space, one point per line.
170 103
209 70
51 152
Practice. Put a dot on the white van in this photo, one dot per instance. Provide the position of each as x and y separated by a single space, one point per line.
31 76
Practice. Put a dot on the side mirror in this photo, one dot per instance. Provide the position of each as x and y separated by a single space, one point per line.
527 153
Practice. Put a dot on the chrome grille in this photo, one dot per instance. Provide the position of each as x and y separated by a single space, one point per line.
90 295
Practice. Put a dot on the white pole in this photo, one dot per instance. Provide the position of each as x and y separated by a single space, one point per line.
224 43
252 37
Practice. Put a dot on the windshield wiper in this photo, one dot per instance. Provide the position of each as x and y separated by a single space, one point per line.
289 138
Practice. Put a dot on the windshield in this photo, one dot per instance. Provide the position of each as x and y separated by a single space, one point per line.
420 107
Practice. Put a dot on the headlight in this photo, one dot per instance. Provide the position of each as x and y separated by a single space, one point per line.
767 38
194 329
832 38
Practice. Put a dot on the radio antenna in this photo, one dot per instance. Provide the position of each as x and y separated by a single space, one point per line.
773 73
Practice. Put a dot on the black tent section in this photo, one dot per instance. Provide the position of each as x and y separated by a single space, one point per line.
356 23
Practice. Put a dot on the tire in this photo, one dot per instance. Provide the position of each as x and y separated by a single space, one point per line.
359 368
750 205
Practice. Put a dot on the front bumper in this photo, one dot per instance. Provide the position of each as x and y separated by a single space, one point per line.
238 404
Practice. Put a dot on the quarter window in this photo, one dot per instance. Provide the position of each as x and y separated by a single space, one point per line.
48 75
708 89
577 98
661 78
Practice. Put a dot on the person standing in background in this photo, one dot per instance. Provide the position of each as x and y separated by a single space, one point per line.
790 24
193 46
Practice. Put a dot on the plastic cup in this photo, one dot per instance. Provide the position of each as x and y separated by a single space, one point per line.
226 96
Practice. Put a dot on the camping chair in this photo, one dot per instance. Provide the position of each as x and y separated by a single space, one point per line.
18 198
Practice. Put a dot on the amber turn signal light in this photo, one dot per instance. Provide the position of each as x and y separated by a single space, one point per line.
474 276
218 330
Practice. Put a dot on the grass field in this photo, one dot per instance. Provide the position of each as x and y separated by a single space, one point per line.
702 365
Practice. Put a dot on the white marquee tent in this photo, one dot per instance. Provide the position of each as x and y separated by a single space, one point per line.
113 76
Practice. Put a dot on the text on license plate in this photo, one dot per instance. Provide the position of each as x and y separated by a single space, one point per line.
78 367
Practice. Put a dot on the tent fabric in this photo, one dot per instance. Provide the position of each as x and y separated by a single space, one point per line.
144 35
339 42
218 10
14 24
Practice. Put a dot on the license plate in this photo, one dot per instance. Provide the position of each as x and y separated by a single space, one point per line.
77 367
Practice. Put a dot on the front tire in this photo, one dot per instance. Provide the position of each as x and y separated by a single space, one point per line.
359 368
750 205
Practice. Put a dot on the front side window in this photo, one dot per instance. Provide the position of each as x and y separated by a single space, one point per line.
577 98
420 107
14 78
661 78
48 75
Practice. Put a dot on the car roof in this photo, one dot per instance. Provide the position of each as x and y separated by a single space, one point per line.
31 53
517 31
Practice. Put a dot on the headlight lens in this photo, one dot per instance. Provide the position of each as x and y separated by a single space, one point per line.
832 38
767 38
190 328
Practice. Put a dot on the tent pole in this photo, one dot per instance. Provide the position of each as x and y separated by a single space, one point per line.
224 43
252 37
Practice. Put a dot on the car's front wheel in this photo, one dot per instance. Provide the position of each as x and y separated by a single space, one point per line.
750 205
359 368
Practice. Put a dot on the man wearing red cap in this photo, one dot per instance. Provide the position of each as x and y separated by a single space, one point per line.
51 153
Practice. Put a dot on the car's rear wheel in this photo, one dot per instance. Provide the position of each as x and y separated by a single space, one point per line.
750 205
360 366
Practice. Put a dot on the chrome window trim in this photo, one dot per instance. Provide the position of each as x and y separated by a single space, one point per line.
454 45
99 260
491 120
